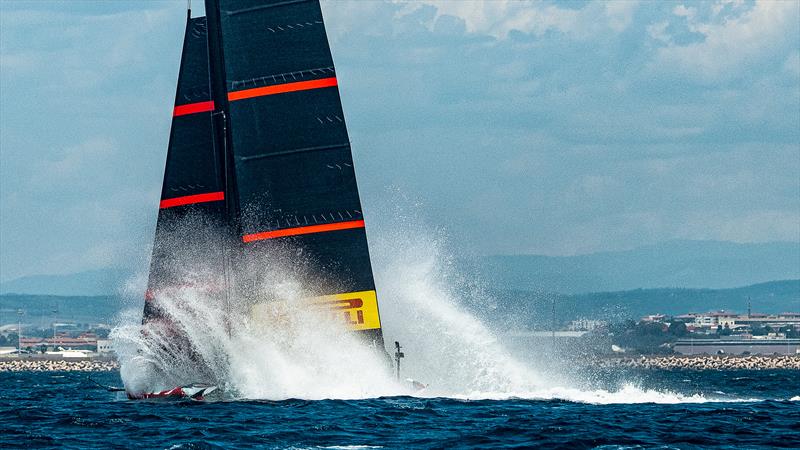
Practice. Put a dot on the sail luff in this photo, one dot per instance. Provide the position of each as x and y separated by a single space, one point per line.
221 110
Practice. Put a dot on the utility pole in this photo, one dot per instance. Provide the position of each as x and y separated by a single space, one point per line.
553 324
19 332
55 318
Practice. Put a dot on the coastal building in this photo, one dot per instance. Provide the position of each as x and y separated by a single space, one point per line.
586 325
711 321
738 345
653 318
104 347
84 342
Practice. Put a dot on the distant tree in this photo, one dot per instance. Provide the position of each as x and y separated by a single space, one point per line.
649 329
761 331
677 329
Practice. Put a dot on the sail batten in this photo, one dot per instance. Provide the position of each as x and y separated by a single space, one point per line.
192 199
193 108
311 229
282 88
294 150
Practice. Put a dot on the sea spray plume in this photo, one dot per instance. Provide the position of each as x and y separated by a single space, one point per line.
265 339
424 305
269 342
184 287
291 346
429 308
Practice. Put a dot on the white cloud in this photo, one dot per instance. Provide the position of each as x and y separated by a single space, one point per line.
499 18
732 44
67 169
792 64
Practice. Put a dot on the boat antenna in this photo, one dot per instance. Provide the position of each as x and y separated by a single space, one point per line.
397 355
189 9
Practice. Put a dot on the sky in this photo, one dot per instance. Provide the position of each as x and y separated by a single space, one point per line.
553 128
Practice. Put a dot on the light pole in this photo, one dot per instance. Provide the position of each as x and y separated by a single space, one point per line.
19 332
55 318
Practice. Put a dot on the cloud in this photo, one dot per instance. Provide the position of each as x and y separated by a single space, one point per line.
500 18
523 126
733 44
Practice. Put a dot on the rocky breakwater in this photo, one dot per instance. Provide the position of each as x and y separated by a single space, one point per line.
57 365
696 362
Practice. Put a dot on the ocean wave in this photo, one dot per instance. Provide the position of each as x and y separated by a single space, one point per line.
628 394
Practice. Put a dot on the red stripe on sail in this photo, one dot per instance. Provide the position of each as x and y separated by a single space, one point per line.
192 108
303 230
282 88
192 199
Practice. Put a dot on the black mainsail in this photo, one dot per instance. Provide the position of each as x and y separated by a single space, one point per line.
259 151
294 172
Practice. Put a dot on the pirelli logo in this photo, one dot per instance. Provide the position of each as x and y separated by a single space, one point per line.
358 310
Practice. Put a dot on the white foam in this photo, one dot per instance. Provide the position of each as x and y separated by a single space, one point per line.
627 394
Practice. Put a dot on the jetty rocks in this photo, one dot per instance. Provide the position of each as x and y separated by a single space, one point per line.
703 362
57 365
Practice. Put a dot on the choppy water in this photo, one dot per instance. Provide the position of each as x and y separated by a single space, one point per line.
681 409
298 379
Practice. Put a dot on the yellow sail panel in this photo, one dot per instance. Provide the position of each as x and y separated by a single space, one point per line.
358 310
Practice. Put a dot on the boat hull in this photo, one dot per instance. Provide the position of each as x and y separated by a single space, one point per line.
193 392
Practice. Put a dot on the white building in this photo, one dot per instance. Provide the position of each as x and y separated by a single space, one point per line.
104 347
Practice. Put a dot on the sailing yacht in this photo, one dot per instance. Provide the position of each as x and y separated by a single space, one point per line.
259 159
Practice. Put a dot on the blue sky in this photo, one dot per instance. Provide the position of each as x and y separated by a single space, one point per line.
519 127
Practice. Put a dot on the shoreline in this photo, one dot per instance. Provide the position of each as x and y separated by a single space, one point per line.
652 362
699 362
58 365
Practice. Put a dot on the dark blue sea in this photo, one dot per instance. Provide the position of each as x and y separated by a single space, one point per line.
726 409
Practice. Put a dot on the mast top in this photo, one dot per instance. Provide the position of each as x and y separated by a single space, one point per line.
188 9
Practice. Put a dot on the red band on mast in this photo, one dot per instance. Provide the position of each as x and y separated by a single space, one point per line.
303 230
282 88
192 199
192 108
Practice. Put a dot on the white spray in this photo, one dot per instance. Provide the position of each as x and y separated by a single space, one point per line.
298 353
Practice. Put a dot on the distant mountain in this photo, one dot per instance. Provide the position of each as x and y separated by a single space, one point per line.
89 283
40 311
680 264
511 309
526 309
686 264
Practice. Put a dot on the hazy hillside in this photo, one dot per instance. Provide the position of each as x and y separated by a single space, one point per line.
42 310
513 308
93 282
529 308
686 264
